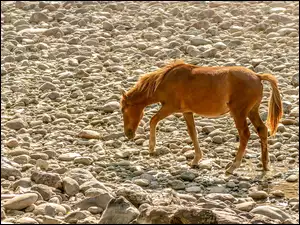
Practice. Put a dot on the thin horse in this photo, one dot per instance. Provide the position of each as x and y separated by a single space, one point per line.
208 92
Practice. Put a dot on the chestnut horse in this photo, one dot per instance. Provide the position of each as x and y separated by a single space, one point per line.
208 92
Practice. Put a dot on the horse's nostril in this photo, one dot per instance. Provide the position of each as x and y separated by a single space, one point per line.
129 133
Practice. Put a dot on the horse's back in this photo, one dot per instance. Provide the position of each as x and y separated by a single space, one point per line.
208 90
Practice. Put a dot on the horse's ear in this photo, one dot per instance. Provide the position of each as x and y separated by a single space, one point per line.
123 92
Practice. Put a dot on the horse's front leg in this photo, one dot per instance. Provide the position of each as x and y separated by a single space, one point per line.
161 114
189 119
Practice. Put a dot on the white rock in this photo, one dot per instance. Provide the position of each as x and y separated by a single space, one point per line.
199 41
193 189
68 156
21 202
111 106
220 45
292 178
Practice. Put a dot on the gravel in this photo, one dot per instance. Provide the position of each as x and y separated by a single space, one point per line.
64 155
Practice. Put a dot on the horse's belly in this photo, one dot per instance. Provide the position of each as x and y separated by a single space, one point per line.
211 113
206 109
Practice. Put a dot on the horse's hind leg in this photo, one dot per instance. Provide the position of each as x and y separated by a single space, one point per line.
262 132
161 114
244 134
189 118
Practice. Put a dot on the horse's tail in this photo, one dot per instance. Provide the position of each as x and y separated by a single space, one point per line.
275 104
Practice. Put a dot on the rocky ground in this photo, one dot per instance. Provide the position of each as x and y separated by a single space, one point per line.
66 158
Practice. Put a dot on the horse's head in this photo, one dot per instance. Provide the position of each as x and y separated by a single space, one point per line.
132 115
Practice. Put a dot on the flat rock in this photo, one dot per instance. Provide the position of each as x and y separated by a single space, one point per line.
26 220
89 134
21 202
221 196
49 179
193 189
271 212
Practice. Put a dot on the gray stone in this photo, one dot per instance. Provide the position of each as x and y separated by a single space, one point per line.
119 211
134 193
188 176
199 41
83 160
107 26
70 186
92 184
44 209
16 124
295 80
47 86
177 184
75 216
38 17
99 201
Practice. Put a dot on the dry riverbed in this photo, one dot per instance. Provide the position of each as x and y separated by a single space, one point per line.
66 158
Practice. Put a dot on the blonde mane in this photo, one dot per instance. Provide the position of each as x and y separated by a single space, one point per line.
149 82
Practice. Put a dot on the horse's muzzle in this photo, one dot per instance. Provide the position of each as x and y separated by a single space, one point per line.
129 134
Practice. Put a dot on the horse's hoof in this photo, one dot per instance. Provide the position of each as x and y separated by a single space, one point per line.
228 165
228 172
153 154
195 166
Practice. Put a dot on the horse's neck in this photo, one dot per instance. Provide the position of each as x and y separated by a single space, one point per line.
141 98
